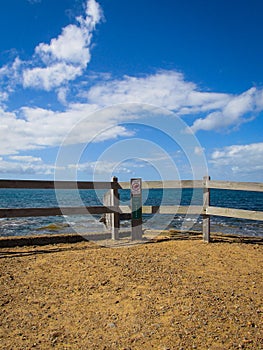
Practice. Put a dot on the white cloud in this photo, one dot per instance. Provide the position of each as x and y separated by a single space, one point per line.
38 128
27 159
3 96
62 95
94 14
50 77
71 47
233 113
259 100
10 77
66 56
169 89
166 89
62 60
33 128
239 159
101 167
198 150
113 133
26 165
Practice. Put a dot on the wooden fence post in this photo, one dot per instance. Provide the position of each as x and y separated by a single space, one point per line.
112 221
206 203
136 205
115 217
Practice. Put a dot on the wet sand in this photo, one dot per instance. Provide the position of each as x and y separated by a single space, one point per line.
174 294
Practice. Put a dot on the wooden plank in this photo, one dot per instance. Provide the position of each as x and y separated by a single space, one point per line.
125 209
107 203
173 209
38 184
241 186
26 212
166 184
112 220
206 203
235 213
217 211
166 209
228 185
88 185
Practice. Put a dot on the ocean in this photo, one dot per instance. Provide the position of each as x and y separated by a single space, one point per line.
24 198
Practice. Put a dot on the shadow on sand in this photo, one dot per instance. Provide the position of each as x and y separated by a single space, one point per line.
50 243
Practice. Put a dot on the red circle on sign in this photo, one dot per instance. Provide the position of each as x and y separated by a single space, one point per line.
136 186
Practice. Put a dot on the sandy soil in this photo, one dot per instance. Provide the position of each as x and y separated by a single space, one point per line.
178 294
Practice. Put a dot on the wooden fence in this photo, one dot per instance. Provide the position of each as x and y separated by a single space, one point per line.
111 205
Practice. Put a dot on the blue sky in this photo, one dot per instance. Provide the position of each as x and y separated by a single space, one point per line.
154 89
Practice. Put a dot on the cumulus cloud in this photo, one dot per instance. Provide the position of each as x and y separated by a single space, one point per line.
38 128
233 112
28 165
62 95
239 158
66 56
10 77
3 96
25 165
33 128
198 150
101 167
27 159
71 46
94 15
50 77
167 89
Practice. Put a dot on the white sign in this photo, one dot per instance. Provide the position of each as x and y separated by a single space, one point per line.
136 186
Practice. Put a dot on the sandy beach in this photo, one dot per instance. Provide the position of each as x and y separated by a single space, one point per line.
173 294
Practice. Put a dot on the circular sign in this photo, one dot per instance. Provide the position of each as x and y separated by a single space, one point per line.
136 186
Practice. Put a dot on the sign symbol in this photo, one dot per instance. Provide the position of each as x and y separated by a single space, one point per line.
136 186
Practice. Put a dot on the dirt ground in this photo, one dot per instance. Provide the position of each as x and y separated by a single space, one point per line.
177 294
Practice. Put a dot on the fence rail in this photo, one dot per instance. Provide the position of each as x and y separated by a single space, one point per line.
166 184
59 185
113 210
222 185
28 212
237 186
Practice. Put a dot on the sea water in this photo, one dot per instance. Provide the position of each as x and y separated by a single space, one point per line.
24 198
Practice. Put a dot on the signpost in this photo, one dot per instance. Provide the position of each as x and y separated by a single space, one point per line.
136 205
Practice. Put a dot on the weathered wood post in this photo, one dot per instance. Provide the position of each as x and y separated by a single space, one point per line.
206 203
136 205
112 220
115 217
